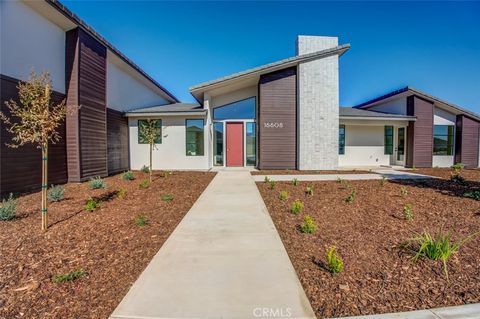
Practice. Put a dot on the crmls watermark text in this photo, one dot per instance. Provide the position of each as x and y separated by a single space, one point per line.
265 312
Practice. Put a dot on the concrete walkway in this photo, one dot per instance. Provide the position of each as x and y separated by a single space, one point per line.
375 175
224 260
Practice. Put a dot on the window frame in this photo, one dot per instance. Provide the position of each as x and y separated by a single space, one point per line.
450 147
215 142
388 148
341 150
159 135
186 137
254 98
255 144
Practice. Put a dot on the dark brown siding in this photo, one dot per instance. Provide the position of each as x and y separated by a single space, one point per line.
278 105
87 127
20 168
420 133
117 141
467 140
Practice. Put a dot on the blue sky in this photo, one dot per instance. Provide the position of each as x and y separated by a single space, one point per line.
432 46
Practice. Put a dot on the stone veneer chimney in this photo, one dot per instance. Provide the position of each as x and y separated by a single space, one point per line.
318 105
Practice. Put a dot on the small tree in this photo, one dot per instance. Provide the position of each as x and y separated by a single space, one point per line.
150 133
35 120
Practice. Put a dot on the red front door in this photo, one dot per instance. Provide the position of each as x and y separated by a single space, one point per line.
234 144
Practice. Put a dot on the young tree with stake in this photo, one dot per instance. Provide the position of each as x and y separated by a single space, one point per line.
35 120
150 132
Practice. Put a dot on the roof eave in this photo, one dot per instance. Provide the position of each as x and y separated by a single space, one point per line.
172 113
379 118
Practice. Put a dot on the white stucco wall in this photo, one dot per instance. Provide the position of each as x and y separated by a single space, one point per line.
364 146
441 117
29 40
127 89
395 106
318 106
233 96
171 153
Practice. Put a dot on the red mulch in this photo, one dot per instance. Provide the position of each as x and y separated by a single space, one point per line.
470 174
297 172
379 277
106 243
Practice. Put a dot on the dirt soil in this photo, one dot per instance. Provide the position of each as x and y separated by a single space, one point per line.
105 243
379 276
470 174
297 172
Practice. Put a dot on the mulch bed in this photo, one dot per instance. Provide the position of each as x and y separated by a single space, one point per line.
106 244
379 276
470 174
297 172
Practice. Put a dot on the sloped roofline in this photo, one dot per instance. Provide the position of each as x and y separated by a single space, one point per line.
75 19
270 67
423 95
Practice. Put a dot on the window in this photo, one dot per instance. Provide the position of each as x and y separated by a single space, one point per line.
250 144
388 140
341 140
240 110
143 125
218 143
443 139
194 137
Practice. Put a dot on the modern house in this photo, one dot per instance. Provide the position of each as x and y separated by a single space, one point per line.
282 115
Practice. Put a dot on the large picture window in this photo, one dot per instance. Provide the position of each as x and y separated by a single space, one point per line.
341 140
142 126
388 140
240 110
194 137
443 139
218 143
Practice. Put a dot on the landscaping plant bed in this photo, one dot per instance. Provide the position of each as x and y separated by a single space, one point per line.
106 249
470 174
297 172
379 275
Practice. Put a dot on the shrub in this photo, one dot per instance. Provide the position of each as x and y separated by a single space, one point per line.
352 196
408 212
141 220
56 193
166 174
436 247
339 180
414 168
334 262
473 194
92 204
382 181
308 226
297 206
457 178
283 195
295 182
144 184
71 276
266 179
97 183
309 190
273 184
145 169
167 198
122 192
457 168
8 208
404 191
343 182
128 176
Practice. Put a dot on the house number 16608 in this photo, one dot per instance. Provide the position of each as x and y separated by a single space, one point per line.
273 124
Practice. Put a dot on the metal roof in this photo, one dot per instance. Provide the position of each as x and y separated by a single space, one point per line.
168 109
274 66
349 112
412 91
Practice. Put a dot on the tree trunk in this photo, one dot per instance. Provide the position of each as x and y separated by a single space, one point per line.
44 186
151 146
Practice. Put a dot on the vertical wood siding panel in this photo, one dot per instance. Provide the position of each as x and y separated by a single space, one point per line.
468 136
20 168
117 141
422 129
278 104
